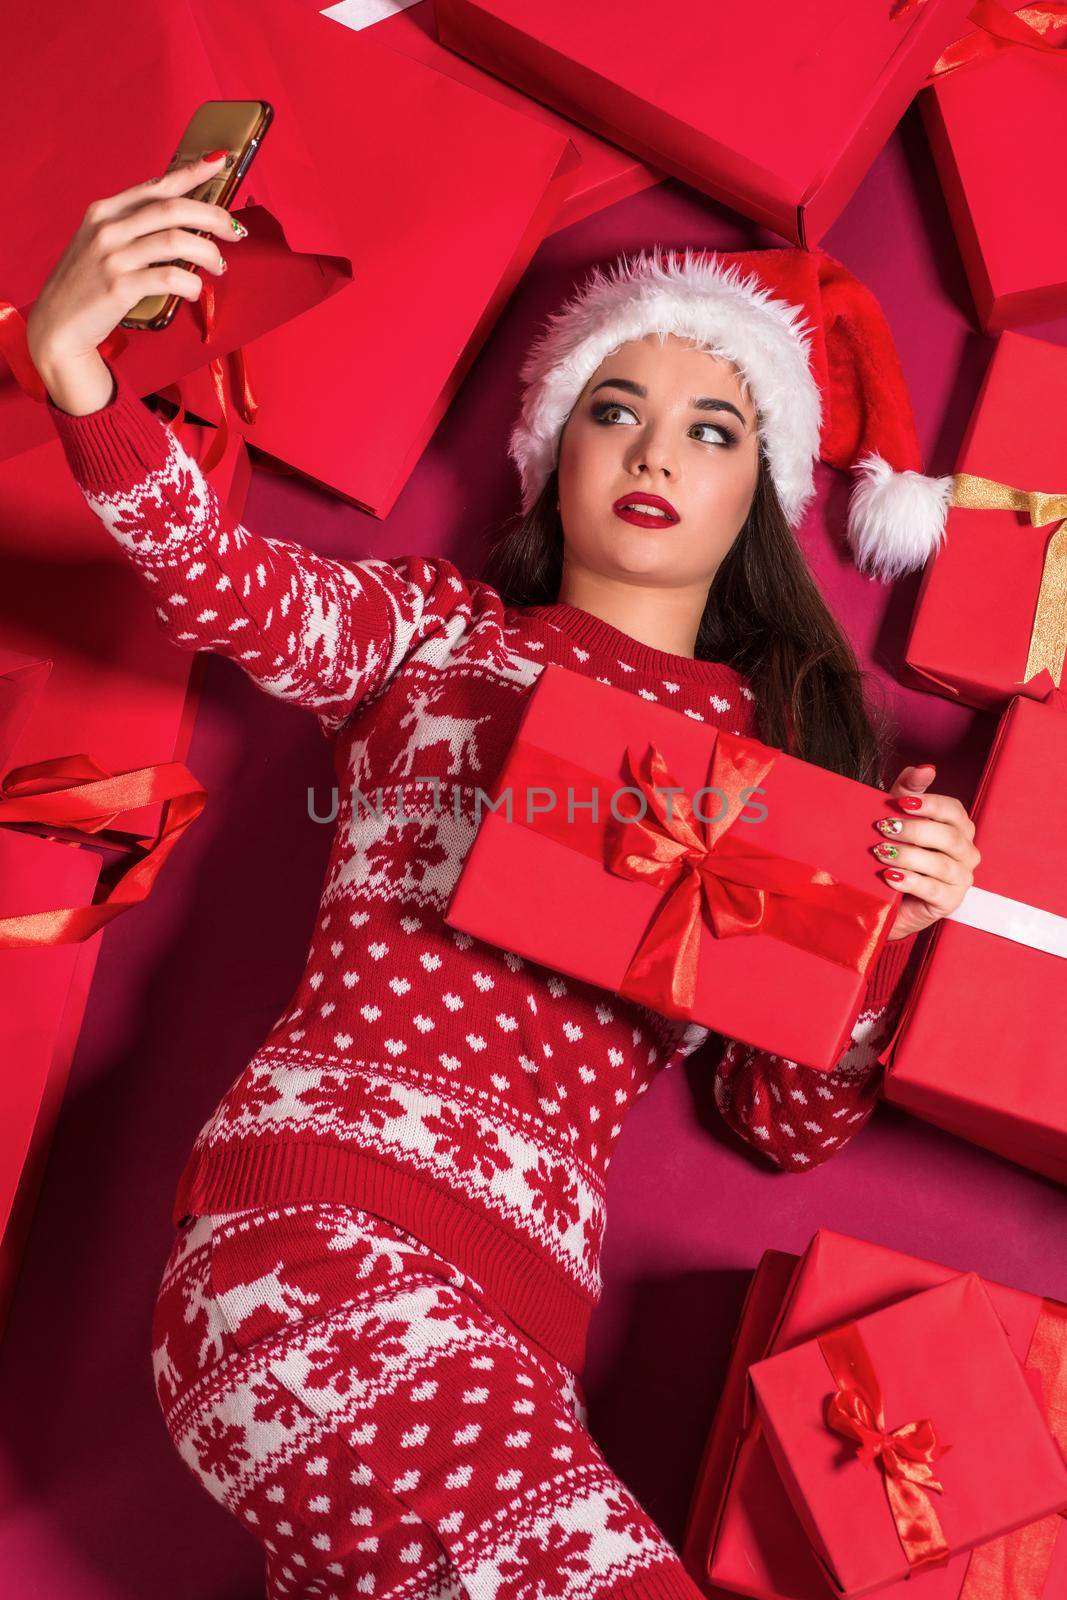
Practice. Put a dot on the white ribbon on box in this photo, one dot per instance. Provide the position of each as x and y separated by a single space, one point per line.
1012 919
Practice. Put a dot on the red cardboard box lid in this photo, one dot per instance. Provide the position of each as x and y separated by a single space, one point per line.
779 120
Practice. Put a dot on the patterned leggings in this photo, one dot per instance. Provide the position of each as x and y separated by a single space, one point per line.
354 1400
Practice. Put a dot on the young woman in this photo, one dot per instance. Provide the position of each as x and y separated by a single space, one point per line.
371 1323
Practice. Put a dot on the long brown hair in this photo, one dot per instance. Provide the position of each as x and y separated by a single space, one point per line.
764 616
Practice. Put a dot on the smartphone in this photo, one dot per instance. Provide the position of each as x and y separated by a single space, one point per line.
237 126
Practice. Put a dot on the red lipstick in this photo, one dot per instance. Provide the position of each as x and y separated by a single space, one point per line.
645 519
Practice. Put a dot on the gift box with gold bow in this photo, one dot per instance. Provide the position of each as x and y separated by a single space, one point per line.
990 618
743 1535
993 112
702 874
908 1436
998 964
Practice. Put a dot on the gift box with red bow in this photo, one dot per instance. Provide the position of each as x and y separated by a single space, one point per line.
907 1436
990 618
64 874
117 686
748 1539
993 113
998 964
779 121
745 899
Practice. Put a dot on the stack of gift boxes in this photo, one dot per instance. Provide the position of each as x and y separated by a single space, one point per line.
457 135
885 1421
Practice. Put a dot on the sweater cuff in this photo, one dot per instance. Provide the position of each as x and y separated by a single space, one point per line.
888 970
114 446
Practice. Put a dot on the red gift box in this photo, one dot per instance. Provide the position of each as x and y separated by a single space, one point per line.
996 1075
994 118
755 1327
757 1546
990 619
781 897
779 121
99 131
441 195
606 173
929 1394
118 687
43 995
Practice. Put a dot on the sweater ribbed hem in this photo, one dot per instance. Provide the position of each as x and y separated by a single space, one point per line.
114 446
542 1304
669 1581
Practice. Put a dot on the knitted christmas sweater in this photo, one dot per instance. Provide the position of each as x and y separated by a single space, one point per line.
472 1096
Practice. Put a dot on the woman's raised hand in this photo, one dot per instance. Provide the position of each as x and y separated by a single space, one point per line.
933 853
124 248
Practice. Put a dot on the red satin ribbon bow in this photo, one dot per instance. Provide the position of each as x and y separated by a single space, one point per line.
1039 26
747 889
856 1410
77 793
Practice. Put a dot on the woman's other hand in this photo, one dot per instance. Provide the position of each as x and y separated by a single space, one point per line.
124 248
930 849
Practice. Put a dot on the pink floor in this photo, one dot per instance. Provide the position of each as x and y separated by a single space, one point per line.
93 1500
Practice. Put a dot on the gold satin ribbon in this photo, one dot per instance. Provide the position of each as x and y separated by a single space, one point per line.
1048 637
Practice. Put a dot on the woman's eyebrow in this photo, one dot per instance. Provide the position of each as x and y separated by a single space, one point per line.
702 403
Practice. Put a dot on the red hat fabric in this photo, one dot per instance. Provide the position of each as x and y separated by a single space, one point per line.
817 355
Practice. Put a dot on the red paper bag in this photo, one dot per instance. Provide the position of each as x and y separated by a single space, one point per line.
118 687
606 174
758 1547
43 994
990 617
779 119
998 964
994 117
98 131
934 1378
542 887
443 195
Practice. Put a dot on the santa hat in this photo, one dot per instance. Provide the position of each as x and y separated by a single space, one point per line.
815 350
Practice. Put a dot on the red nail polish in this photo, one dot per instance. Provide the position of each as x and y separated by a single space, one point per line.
910 802
893 875
213 155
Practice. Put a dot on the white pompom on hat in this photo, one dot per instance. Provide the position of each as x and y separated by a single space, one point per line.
814 348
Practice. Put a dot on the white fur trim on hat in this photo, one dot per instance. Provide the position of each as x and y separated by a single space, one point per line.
896 520
726 311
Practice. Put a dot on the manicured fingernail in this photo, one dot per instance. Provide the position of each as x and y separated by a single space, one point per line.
892 874
887 852
223 267
213 155
910 802
889 824
239 228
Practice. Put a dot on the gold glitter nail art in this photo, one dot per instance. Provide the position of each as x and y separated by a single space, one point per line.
888 852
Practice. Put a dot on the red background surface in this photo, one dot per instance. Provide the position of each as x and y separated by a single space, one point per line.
94 1501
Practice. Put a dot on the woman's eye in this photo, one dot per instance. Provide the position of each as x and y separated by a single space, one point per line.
605 407
602 412
725 435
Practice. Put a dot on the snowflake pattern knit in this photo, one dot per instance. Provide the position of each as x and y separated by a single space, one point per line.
471 1096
